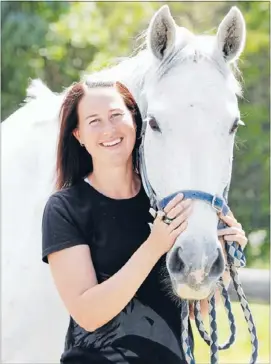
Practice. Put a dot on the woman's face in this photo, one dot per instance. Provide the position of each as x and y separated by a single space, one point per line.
106 126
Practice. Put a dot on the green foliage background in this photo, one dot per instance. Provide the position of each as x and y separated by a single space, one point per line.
58 41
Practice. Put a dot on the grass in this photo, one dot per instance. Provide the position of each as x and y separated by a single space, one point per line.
240 352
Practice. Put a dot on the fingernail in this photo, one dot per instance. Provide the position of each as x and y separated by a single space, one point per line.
180 195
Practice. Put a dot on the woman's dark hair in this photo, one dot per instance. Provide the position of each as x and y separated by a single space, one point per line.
73 161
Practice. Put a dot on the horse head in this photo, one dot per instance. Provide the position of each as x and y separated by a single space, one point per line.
191 107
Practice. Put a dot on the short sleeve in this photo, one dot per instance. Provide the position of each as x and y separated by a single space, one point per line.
59 230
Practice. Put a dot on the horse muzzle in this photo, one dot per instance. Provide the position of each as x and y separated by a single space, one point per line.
194 269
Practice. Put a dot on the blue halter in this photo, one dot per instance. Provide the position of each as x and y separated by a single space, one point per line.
235 259
218 203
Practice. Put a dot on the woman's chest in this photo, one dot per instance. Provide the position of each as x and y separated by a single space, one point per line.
117 234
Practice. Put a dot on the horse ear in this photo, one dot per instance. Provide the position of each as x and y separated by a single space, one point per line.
231 34
161 33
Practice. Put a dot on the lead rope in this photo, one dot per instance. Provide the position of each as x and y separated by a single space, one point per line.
236 259
247 312
185 332
199 321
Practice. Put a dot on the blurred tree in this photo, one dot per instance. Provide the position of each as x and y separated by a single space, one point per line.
251 174
24 29
58 41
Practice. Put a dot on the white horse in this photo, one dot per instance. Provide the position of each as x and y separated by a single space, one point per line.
186 84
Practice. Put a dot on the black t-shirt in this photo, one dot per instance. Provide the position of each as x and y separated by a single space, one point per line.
147 330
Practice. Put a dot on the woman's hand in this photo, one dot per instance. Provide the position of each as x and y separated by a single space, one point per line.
163 235
232 233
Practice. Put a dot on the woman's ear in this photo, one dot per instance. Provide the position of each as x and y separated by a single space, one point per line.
76 134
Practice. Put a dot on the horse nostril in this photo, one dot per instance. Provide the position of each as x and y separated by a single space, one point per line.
218 265
176 264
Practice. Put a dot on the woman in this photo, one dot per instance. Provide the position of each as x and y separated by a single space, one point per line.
105 261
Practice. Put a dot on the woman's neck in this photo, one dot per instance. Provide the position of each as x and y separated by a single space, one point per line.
117 182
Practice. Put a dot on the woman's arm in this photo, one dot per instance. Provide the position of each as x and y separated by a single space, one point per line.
91 304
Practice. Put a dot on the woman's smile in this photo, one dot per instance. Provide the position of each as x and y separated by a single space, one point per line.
112 144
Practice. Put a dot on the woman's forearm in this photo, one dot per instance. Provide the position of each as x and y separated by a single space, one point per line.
101 303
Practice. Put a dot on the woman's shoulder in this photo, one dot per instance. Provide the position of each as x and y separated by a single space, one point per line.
72 197
66 220
71 205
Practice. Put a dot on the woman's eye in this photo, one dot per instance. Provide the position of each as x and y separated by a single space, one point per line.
153 124
93 121
115 115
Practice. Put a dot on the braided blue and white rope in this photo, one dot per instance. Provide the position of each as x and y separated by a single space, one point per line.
199 321
247 314
184 332
236 259
213 331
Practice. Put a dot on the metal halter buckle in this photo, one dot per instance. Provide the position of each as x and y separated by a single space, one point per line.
217 208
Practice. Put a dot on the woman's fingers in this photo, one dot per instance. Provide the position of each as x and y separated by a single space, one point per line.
239 238
229 231
230 214
180 219
233 234
230 220
160 214
191 311
175 211
175 233
177 199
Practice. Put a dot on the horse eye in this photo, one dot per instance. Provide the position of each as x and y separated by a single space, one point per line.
235 125
153 124
233 128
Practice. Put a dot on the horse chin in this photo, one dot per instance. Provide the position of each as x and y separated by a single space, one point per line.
183 291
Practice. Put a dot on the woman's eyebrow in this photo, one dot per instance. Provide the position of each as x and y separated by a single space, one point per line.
116 108
91 116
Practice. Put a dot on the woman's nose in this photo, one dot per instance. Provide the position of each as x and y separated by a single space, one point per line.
109 128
